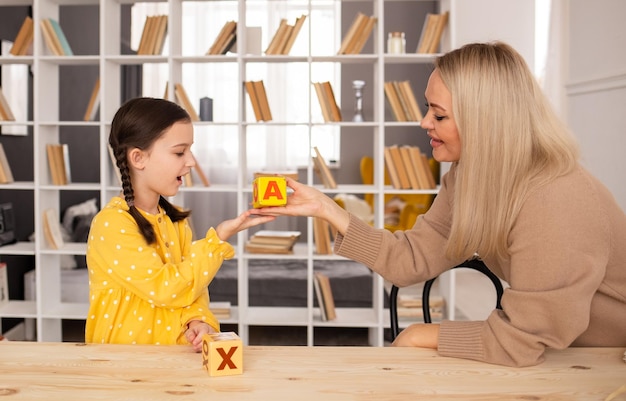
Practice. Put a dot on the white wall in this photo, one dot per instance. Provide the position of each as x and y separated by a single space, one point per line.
596 88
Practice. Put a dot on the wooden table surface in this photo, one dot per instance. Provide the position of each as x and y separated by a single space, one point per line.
72 371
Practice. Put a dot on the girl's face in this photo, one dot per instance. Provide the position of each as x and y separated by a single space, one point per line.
159 169
439 122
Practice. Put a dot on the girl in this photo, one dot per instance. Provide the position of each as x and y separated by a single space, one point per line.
147 279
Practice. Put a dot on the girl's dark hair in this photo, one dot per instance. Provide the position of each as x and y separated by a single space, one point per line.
137 124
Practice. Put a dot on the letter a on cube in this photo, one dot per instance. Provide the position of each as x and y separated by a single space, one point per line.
222 354
269 191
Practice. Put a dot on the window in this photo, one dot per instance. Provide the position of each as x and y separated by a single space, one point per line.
275 146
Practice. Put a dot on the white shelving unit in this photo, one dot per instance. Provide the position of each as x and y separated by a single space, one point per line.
48 310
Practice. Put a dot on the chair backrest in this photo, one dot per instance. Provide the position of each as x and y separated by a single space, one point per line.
475 264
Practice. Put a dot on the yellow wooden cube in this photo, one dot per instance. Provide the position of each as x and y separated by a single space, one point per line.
269 191
222 354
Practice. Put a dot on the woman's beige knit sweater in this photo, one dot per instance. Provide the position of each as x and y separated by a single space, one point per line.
566 271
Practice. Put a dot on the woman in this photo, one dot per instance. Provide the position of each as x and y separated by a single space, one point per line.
147 279
515 196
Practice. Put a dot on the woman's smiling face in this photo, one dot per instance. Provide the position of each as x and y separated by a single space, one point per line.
439 121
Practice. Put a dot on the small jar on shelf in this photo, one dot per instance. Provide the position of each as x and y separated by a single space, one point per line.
396 43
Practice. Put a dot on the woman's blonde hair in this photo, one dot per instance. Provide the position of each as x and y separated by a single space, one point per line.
511 142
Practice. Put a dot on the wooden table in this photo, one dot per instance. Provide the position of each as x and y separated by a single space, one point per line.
71 371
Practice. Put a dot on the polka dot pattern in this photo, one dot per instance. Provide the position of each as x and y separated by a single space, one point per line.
147 293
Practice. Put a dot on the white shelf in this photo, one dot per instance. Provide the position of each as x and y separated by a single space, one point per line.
48 310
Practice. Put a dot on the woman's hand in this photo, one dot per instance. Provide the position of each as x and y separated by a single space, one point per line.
418 335
308 201
244 221
196 329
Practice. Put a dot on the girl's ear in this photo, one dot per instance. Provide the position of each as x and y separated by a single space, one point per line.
136 158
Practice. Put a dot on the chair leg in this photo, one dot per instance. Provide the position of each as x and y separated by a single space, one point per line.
393 312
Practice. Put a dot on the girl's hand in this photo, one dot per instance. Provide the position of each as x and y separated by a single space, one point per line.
244 221
195 331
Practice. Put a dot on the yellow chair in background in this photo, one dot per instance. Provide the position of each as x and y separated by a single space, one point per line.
406 206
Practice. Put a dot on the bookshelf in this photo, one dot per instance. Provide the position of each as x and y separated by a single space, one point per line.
106 62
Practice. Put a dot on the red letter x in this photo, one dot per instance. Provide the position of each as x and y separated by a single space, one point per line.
226 358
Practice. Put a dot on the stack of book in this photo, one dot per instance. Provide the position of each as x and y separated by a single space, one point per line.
357 35
432 30
224 40
258 99
408 168
285 36
22 45
324 295
5 110
153 35
328 103
55 38
6 175
410 306
272 241
402 100
221 310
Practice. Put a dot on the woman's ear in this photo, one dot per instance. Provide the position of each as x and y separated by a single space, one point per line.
136 158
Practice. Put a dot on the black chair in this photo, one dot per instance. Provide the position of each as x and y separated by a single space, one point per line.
475 264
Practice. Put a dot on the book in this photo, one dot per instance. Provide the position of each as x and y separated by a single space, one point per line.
405 153
320 299
160 34
272 241
394 101
391 169
279 39
321 237
224 40
183 100
58 32
334 108
407 93
4 284
254 101
153 35
94 103
293 34
221 310
438 32
52 41
363 35
24 38
323 170
198 170
58 163
6 176
327 295
261 95
323 101
52 229
5 110
358 24
432 30
276 237
396 158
